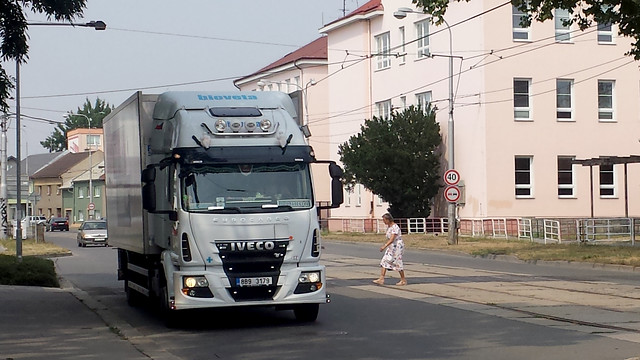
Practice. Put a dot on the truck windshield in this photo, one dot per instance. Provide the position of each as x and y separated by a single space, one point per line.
245 188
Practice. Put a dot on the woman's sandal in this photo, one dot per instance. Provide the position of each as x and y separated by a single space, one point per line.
379 281
402 283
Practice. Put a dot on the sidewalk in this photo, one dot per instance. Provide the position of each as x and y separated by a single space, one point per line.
51 323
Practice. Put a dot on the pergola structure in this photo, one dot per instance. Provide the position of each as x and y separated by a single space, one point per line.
609 160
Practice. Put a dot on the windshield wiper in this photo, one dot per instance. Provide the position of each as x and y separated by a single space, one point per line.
224 209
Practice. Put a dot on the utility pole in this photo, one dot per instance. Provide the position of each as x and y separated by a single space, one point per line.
3 179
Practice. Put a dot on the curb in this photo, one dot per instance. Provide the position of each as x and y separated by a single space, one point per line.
118 326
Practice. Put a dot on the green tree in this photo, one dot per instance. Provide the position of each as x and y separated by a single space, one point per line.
13 32
623 13
397 159
57 141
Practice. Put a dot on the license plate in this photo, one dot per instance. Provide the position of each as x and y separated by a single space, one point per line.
255 281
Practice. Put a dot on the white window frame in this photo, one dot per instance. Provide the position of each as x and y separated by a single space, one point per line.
519 110
522 185
403 45
602 110
424 98
80 215
93 140
518 29
605 34
383 51
562 85
563 32
97 190
422 35
359 195
571 186
608 187
384 109
80 192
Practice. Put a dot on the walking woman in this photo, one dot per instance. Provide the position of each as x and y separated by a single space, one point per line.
393 251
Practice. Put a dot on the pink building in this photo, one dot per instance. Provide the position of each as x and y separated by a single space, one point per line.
528 103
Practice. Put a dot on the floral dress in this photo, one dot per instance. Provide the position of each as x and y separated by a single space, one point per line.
392 259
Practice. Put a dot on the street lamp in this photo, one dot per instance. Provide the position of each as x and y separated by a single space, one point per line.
311 82
401 13
97 25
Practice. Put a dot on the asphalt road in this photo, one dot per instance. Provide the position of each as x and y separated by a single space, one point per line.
440 315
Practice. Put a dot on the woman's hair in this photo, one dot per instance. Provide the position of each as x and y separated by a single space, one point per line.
388 217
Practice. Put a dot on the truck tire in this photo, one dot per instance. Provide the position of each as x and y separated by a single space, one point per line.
306 312
170 317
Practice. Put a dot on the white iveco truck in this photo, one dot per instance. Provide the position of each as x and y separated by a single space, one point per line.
210 202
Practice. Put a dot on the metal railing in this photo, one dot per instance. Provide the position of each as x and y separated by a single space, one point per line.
555 230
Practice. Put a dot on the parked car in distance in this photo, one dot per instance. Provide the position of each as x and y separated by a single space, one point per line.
34 220
57 223
93 232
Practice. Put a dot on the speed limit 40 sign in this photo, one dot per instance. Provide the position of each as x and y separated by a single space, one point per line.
451 177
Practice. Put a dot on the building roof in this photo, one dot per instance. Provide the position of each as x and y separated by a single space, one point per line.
60 165
32 163
315 50
369 7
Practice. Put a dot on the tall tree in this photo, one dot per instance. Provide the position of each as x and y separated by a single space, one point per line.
623 13
13 27
397 159
57 141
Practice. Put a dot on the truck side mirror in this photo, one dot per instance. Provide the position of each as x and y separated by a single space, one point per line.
335 171
149 196
149 174
337 194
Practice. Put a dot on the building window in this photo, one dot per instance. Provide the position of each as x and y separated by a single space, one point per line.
58 190
384 109
359 195
563 99
565 177
347 197
80 192
522 99
80 215
605 34
97 191
607 181
520 32
403 46
39 190
383 51
523 175
48 190
422 34
563 28
605 100
403 102
423 99
93 141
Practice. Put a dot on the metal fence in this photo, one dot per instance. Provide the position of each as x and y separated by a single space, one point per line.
547 230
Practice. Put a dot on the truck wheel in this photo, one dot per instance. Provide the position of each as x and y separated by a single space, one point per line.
306 312
170 317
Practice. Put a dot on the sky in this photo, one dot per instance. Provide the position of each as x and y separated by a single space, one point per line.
154 46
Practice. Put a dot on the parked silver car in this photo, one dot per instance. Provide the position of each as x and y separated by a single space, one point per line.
93 232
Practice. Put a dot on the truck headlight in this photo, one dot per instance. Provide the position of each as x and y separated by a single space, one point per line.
309 277
196 286
308 281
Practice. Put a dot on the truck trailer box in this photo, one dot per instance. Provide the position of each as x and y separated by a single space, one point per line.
125 130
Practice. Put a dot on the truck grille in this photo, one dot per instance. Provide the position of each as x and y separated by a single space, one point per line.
252 260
